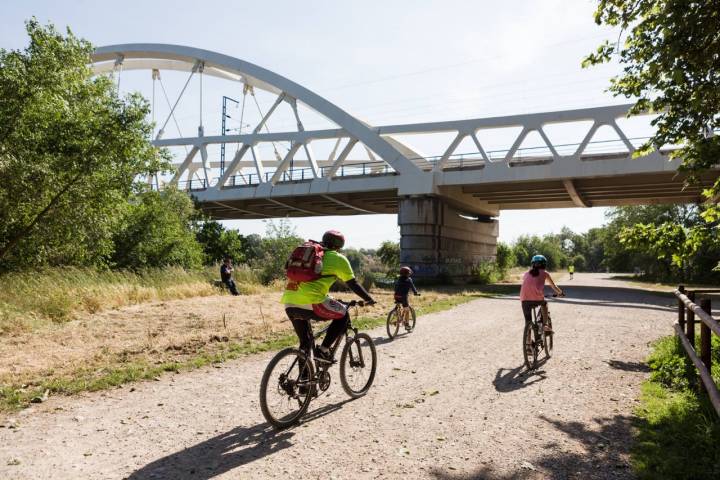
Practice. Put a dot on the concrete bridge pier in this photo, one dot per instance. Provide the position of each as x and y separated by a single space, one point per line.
435 240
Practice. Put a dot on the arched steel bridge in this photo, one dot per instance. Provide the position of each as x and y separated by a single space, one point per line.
582 173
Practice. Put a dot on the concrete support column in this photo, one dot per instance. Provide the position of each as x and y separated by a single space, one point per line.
436 240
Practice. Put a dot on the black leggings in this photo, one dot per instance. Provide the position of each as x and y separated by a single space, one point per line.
527 306
301 318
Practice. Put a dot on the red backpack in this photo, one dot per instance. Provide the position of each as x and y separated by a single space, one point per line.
306 262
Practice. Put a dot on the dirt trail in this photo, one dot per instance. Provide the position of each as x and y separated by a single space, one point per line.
572 419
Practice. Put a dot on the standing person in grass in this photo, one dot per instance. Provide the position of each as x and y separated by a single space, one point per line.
226 270
532 291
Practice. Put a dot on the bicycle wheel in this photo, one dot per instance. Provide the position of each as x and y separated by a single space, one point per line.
411 320
548 337
529 350
286 388
393 323
358 363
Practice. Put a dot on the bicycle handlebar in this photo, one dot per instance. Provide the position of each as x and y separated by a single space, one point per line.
356 303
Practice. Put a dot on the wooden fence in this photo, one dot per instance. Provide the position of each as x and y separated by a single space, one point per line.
688 312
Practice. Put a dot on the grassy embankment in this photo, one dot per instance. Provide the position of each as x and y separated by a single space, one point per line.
55 295
58 315
677 428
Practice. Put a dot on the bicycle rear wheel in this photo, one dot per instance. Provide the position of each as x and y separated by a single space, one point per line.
286 388
529 350
393 323
358 363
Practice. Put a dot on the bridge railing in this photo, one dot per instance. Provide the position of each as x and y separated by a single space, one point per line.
688 310
533 154
306 173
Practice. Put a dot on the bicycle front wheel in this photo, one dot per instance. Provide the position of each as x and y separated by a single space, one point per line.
529 350
286 388
548 337
393 323
358 363
412 318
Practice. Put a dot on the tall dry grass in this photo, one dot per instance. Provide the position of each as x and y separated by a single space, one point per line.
31 299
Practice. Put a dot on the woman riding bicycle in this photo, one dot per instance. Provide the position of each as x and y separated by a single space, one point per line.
533 285
305 301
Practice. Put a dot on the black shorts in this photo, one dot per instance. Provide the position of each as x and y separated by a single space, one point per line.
402 299
527 306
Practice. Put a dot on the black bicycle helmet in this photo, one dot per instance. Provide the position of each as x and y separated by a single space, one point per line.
333 240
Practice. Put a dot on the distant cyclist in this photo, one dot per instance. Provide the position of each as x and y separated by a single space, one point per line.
571 270
532 291
309 300
403 285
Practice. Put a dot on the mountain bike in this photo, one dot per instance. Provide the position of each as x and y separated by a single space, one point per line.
536 338
293 377
400 315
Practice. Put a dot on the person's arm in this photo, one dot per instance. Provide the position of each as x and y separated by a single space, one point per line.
345 273
359 290
412 285
555 288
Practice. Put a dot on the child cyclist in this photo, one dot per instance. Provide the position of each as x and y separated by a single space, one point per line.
532 292
403 285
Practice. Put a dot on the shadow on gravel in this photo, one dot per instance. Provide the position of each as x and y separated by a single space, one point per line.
509 380
383 340
619 297
603 455
628 366
225 452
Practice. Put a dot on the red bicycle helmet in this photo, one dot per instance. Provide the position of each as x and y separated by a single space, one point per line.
406 271
333 240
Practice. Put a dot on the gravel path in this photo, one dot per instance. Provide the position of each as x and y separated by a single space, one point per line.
489 419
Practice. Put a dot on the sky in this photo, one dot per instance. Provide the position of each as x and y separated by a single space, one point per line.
385 62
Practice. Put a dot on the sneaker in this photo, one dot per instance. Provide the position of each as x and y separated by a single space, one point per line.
322 354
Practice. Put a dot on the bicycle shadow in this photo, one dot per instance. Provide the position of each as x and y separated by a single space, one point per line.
227 451
383 340
517 378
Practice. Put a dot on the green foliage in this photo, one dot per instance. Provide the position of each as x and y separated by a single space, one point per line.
487 272
218 242
505 258
670 64
389 253
279 242
673 418
70 150
157 230
527 246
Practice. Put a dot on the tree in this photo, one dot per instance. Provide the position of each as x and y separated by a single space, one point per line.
279 242
158 229
70 151
218 242
389 253
670 57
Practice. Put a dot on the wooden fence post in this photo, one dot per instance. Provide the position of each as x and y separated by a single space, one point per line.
706 338
681 308
690 332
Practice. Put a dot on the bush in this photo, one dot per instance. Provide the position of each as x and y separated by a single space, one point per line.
486 272
673 418
368 281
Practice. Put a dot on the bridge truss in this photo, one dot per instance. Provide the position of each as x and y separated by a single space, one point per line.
475 173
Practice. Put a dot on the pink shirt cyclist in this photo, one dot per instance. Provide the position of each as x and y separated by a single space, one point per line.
533 285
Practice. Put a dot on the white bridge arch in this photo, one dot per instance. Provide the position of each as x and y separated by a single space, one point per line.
580 173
